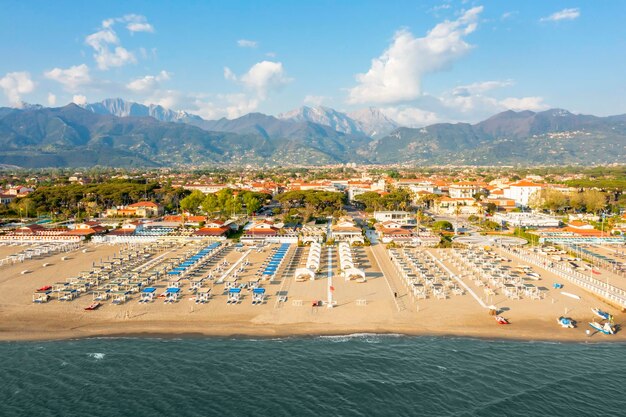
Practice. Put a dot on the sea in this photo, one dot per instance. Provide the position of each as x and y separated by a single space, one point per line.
356 375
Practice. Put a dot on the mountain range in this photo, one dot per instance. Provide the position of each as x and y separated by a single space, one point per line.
367 122
119 133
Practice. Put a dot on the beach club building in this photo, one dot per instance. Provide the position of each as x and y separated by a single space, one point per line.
266 231
140 209
403 218
213 228
346 231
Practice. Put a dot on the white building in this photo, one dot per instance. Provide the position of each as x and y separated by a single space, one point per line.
527 219
403 218
464 189
521 191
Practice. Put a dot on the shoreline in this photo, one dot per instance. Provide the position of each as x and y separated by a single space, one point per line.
253 332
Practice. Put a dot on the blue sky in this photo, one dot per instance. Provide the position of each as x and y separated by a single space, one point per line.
421 62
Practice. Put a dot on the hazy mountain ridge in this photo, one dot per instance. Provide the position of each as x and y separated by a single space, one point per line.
553 136
75 136
44 137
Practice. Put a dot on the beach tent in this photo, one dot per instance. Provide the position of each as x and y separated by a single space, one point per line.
354 273
302 274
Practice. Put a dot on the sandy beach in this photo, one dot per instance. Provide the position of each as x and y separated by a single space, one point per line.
368 307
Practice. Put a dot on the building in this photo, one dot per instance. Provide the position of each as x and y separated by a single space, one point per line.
502 204
358 187
7 198
521 191
457 206
87 229
403 218
213 228
19 191
419 185
206 188
346 231
464 189
190 220
140 209
526 220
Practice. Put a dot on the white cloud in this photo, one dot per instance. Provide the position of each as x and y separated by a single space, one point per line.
52 99
524 103
565 14
148 82
396 75
265 75
108 52
229 74
258 82
15 84
71 78
245 43
137 23
466 103
479 87
79 99
508 15
411 116
315 100
240 104
443 6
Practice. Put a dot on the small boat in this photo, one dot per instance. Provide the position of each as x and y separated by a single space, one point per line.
501 320
602 314
93 306
605 328
45 288
570 295
566 322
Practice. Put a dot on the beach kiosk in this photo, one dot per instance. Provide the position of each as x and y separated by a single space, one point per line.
100 294
258 296
234 295
120 297
203 295
41 296
172 294
147 295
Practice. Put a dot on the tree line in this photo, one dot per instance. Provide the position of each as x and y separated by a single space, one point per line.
224 203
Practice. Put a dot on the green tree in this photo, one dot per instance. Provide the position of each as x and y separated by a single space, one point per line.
192 202
210 204
594 200
442 225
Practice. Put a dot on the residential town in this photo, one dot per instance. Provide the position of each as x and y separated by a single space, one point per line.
402 208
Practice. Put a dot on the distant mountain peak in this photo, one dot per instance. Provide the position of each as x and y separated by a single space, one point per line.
369 122
374 122
122 108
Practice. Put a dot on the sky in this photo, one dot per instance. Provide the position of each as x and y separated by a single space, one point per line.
420 62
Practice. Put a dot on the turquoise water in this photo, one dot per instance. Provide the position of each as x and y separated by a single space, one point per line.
362 375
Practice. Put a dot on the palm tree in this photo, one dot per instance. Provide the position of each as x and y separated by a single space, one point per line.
481 212
457 211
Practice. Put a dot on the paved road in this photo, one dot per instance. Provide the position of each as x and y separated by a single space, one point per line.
389 271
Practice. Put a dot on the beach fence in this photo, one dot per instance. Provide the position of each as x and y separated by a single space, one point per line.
602 289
